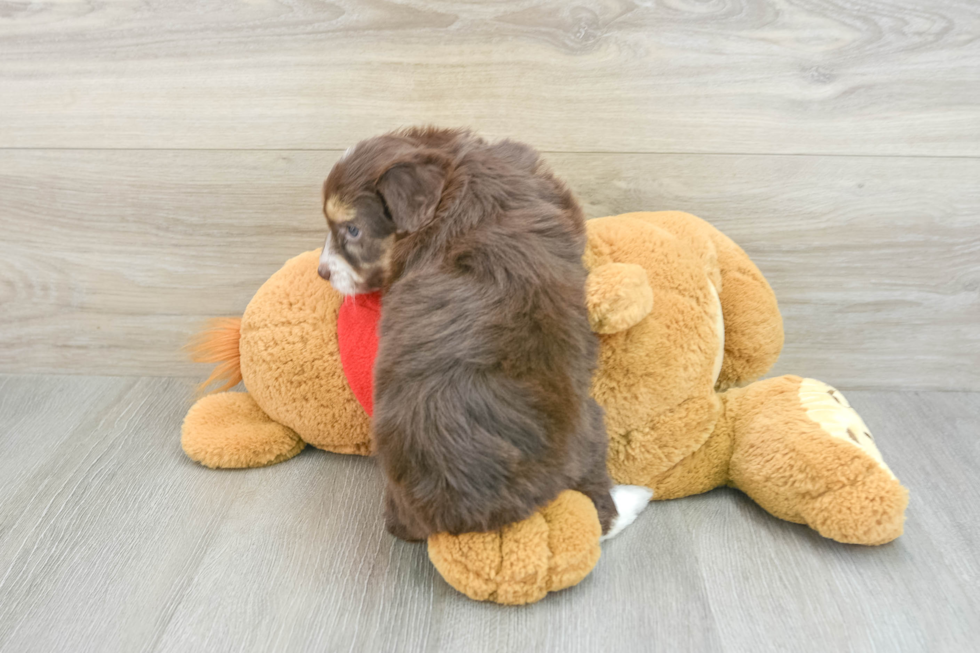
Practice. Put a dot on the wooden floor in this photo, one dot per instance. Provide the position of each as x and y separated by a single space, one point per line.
112 540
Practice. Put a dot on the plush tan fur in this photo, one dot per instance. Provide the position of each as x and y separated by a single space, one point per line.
618 296
551 550
686 323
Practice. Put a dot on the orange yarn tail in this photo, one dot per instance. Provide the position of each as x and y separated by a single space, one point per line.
218 343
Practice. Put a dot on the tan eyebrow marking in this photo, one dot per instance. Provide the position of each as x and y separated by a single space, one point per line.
337 211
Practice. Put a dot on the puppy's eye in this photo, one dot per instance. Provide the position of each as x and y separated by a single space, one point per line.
353 232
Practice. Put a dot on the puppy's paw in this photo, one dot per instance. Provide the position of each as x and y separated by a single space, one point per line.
552 549
630 501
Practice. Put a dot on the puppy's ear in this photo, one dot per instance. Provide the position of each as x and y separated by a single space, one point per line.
412 189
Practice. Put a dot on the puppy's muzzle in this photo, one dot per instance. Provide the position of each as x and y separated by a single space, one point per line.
323 270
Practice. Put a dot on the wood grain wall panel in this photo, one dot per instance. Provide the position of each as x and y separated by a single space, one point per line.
760 76
110 259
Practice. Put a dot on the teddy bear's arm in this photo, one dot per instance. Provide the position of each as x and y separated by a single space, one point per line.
753 325
618 295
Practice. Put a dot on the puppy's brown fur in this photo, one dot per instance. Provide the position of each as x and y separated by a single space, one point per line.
482 406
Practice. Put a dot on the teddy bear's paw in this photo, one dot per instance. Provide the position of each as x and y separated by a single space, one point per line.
229 430
828 407
552 549
868 510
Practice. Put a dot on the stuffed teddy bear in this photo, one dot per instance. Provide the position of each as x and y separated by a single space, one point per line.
686 323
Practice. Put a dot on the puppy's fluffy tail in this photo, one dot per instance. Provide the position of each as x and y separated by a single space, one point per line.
218 343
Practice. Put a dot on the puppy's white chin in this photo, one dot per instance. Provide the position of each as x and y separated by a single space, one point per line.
343 286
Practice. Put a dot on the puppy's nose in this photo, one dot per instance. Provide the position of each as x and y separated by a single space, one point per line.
324 271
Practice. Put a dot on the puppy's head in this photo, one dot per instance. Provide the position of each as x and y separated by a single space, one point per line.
381 189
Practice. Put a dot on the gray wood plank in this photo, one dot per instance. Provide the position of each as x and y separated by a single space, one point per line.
782 584
110 540
304 563
26 407
938 444
111 259
760 76
100 538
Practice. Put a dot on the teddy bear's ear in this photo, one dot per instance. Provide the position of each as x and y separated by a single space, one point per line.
618 296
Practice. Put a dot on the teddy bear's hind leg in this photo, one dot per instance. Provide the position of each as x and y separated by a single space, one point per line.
229 430
551 550
802 453
554 548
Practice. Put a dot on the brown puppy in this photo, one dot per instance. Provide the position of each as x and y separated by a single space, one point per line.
482 411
